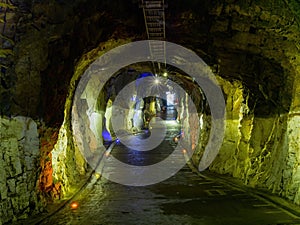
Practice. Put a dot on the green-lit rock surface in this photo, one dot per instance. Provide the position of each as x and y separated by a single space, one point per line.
19 163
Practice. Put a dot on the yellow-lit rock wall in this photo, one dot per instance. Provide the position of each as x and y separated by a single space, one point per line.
261 151
67 160
19 168
292 173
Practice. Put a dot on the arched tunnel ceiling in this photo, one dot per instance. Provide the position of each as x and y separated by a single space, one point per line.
132 72
243 40
253 41
246 40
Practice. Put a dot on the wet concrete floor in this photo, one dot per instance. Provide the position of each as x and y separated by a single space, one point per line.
185 198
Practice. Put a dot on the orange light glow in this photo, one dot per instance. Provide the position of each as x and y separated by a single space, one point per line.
183 151
74 205
107 154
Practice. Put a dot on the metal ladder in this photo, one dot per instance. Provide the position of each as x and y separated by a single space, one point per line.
154 16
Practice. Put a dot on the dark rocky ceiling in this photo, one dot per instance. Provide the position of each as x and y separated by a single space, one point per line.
252 41
246 39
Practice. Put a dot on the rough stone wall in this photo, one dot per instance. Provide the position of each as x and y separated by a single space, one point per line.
48 37
45 38
292 176
67 160
255 46
261 151
250 41
19 169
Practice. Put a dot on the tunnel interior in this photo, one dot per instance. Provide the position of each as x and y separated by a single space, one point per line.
251 48
163 103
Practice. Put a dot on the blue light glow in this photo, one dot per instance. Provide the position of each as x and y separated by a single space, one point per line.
106 135
143 75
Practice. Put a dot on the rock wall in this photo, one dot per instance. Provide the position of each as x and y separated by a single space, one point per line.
292 176
261 151
19 169
67 160
48 37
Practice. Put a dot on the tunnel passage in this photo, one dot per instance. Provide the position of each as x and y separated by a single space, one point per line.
87 116
241 125
252 47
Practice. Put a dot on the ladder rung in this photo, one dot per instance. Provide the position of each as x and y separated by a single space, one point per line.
157 44
158 53
156 38
160 47
155 29
155 25
154 13
153 4
158 50
159 58
153 18
156 34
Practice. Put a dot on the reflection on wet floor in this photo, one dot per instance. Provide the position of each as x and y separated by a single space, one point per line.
185 198
145 158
